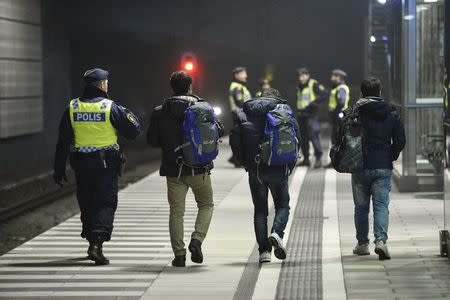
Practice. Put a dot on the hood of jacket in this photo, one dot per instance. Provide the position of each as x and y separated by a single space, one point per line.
176 105
259 107
376 108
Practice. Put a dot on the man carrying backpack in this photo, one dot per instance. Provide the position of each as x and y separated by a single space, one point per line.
187 130
266 142
371 138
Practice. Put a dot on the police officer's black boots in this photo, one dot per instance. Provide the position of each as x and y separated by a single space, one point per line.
179 261
95 253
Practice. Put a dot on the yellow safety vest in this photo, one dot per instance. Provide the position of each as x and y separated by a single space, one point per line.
91 124
307 95
332 104
245 92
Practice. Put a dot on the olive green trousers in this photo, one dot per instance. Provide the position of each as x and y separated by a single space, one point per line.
203 194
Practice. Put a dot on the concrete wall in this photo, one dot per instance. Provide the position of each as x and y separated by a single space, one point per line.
27 155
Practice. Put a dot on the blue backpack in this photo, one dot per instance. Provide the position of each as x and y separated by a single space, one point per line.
280 145
200 136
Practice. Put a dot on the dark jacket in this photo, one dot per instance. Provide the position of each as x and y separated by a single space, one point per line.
246 137
165 132
123 120
384 131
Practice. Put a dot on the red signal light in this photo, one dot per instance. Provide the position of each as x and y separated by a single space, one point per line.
189 66
188 63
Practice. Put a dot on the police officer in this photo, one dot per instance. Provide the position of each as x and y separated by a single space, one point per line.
238 93
338 101
264 85
89 131
309 94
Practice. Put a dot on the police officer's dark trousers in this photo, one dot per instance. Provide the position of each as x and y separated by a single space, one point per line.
336 123
97 190
310 132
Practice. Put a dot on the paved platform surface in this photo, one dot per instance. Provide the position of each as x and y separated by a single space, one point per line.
319 265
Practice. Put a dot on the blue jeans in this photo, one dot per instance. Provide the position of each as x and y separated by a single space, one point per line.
375 183
279 188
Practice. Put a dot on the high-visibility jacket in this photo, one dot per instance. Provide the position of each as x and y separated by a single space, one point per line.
238 102
333 103
306 95
91 124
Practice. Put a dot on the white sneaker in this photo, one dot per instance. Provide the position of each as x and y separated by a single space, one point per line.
382 250
265 257
277 244
361 249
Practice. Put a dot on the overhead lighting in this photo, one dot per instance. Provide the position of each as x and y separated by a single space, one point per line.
408 17
430 1
422 7
373 39
382 2
217 110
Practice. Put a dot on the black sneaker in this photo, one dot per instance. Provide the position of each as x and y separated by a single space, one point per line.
179 261
195 247
95 253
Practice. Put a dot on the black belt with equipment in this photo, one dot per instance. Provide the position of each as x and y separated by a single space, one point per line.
103 155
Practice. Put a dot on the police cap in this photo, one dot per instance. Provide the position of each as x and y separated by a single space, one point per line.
238 70
339 72
95 74
301 71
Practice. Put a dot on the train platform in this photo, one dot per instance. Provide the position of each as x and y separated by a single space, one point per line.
319 238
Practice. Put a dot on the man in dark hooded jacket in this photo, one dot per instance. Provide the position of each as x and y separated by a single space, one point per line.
165 132
245 141
384 140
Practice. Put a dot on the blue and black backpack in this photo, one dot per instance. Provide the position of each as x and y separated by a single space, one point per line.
280 146
200 136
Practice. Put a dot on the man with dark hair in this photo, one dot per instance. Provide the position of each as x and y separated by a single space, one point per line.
310 94
165 132
238 94
180 82
384 139
245 140
89 130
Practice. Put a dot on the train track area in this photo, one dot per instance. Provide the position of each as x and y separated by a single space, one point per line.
23 216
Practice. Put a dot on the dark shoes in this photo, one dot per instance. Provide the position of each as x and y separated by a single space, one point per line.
195 247
318 164
235 162
304 163
179 261
95 253
329 166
